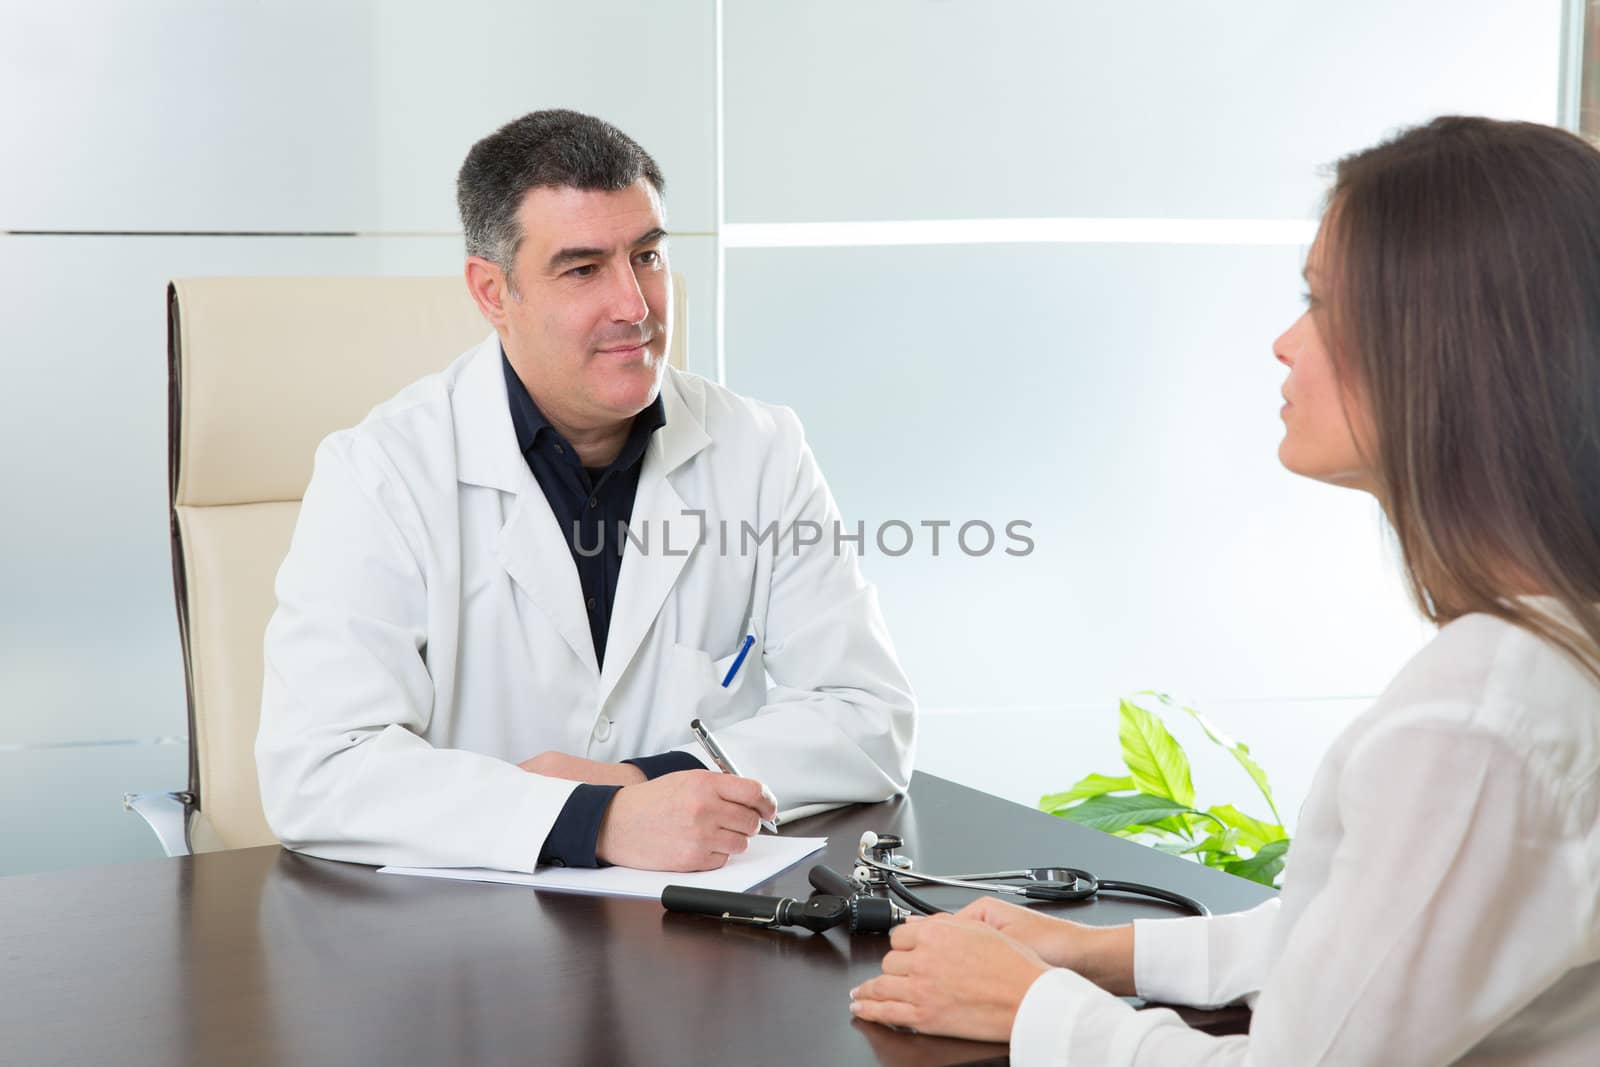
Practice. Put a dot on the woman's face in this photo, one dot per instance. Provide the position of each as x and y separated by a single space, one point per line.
1322 417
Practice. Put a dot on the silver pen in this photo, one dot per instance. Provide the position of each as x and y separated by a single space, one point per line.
724 764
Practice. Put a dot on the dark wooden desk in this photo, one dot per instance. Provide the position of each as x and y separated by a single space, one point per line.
262 956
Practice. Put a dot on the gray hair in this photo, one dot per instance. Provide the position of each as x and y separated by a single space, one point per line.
543 149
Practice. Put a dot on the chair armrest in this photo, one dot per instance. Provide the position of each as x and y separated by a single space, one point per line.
165 813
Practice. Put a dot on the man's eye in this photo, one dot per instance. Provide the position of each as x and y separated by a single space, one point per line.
583 271
651 257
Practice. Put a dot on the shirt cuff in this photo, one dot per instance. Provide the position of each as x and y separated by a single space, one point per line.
1043 1026
666 763
572 840
1065 1018
1170 964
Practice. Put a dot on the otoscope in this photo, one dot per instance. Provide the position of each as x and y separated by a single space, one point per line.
839 902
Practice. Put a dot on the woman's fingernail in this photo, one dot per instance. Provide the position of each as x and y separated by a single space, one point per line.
854 991
855 1007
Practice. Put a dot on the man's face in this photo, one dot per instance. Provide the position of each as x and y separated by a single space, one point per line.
589 329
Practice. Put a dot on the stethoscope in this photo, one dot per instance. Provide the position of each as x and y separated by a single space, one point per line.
879 865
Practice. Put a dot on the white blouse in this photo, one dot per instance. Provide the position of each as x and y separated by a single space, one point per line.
1440 904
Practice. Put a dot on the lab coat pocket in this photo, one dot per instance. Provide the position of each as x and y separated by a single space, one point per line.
696 685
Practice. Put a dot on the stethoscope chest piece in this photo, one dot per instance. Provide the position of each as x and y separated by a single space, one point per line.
1052 883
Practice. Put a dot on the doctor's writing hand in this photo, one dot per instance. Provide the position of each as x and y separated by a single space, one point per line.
686 821
1102 954
578 769
951 976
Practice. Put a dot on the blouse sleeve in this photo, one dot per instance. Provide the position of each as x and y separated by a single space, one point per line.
1203 962
1453 901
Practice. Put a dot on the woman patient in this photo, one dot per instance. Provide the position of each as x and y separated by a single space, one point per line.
1442 902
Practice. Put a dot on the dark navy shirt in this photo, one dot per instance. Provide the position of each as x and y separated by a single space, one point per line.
589 504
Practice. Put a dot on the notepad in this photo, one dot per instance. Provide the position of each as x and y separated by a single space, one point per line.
765 857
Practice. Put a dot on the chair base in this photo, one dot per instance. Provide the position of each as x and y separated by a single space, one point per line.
167 814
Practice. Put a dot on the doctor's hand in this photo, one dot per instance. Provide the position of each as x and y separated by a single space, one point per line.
1102 954
951 976
686 821
578 769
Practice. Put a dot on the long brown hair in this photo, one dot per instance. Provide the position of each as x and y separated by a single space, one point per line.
1465 310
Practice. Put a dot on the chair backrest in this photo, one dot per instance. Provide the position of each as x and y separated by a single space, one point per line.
260 371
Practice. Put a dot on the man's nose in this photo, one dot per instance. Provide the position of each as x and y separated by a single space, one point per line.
627 298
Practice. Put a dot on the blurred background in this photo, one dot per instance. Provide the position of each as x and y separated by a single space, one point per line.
1009 262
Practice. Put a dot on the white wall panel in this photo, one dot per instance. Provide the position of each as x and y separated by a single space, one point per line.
351 115
88 637
899 109
1122 399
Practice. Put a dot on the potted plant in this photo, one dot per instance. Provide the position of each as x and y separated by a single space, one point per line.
1154 802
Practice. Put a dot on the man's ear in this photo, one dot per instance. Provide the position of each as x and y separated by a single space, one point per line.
489 288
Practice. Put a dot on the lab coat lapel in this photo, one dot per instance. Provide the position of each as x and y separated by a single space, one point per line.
530 546
648 573
534 552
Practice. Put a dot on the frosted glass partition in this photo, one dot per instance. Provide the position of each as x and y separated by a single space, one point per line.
1121 399
305 115
903 109
88 637
62 807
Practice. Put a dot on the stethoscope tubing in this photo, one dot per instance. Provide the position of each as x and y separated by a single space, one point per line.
896 879
957 881
1156 893
898 888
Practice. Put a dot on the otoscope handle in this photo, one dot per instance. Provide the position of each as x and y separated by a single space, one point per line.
744 906
820 913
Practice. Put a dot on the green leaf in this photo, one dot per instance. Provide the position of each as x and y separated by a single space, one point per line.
1136 832
1177 826
1253 833
1238 749
1092 786
1165 828
1264 866
1224 843
1156 761
1113 813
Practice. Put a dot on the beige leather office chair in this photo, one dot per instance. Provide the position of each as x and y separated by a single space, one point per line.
259 371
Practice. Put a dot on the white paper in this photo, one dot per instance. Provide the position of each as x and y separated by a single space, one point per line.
766 856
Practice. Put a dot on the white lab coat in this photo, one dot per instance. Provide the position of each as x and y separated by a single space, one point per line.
430 631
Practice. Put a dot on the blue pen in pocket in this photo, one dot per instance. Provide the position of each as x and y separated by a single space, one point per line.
738 661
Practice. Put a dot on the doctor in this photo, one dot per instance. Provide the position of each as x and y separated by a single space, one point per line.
513 585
